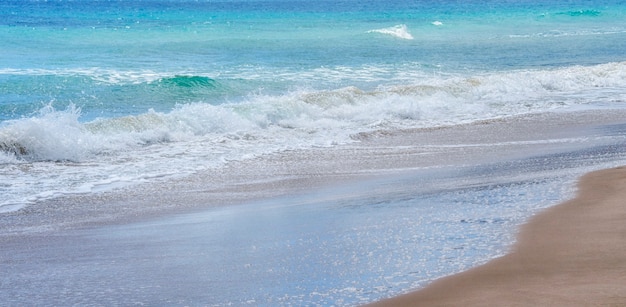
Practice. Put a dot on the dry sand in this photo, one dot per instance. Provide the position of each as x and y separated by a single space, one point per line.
573 254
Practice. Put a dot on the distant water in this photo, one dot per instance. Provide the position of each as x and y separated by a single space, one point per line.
98 94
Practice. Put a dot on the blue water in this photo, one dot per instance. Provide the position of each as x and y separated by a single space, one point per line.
126 86
100 94
110 58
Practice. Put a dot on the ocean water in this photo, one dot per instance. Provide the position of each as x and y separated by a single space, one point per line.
100 94
96 95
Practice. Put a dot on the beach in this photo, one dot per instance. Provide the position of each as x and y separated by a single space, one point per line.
293 153
572 254
561 138
346 225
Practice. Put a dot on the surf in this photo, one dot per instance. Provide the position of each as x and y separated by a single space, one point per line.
56 134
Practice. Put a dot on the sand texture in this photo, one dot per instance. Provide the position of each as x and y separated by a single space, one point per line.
573 254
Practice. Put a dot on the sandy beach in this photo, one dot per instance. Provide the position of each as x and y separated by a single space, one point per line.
347 225
378 154
310 153
573 254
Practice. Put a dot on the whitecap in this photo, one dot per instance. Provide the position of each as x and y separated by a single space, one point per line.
437 23
399 31
109 76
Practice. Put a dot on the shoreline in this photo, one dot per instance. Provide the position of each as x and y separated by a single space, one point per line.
375 154
571 254
401 168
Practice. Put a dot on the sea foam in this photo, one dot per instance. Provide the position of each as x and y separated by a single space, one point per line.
66 154
51 135
60 135
110 76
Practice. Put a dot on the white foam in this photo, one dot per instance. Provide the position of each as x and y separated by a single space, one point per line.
55 153
398 31
50 136
110 76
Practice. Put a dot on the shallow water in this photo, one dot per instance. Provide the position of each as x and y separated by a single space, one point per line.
346 244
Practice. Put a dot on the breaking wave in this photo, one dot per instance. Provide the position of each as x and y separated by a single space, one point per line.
59 135
398 31
57 143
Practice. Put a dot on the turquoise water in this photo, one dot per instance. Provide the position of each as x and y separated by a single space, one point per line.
110 57
107 93
96 95
125 87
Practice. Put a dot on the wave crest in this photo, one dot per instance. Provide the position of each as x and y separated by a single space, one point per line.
58 135
189 81
398 31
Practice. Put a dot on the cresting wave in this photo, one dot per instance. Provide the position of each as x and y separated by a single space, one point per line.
66 155
398 31
59 135
98 74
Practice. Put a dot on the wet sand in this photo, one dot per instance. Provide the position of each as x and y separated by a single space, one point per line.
573 254
109 248
380 153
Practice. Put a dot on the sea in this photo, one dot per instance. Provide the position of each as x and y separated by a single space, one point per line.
96 95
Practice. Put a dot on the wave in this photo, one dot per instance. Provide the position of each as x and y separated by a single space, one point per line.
51 135
58 135
64 154
398 31
189 81
135 93
110 76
